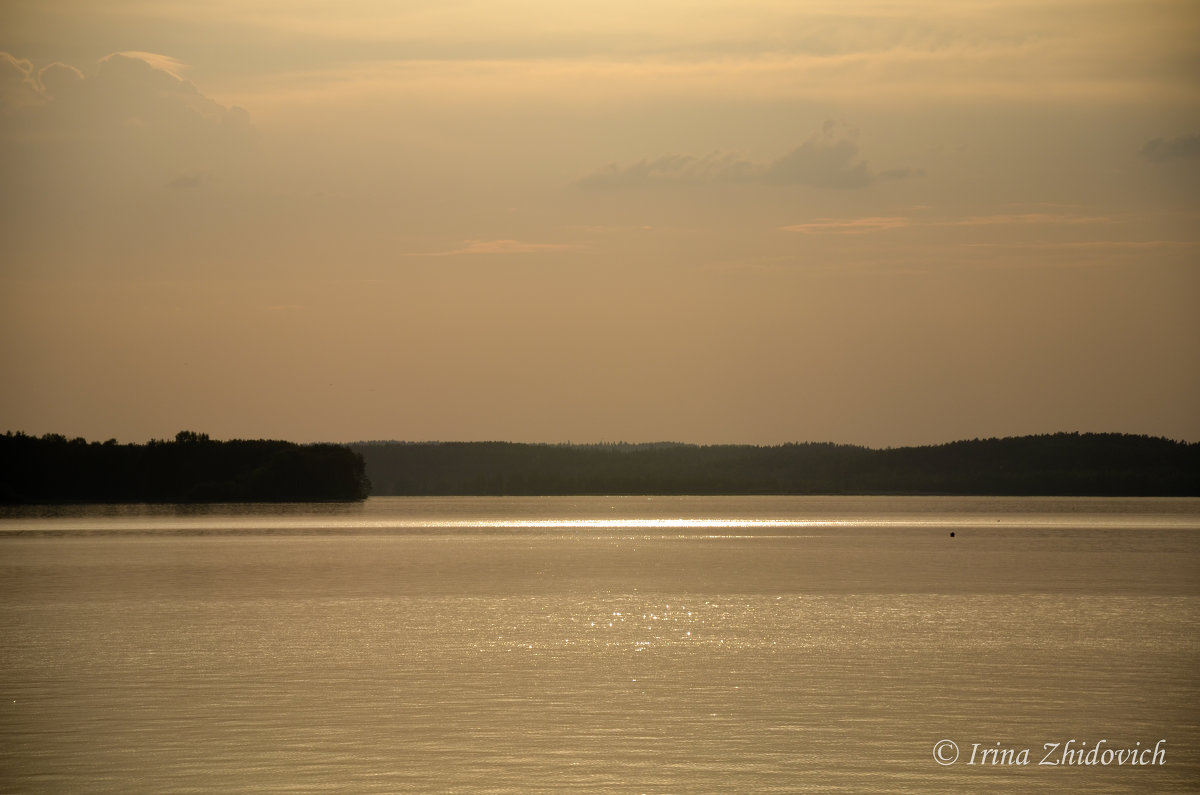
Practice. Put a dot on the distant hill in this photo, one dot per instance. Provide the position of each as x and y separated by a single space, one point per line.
1056 464
192 468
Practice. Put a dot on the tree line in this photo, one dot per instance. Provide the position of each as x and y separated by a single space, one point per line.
190 468
1053 464
194 468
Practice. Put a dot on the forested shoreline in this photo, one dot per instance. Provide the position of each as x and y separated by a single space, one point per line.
190 468
1056 464
194 468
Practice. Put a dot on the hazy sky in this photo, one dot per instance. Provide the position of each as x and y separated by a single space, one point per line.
712 221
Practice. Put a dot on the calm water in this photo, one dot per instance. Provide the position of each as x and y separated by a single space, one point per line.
634 645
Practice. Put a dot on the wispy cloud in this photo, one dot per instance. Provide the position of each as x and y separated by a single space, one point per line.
1026 218
983 51
1136 245
853 226
163 63
844 226
501 247
18 84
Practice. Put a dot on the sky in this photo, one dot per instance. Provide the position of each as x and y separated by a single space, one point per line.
713 221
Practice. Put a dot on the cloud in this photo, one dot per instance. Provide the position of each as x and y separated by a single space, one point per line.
160 62
186 181
854 226
675 169
82 148
61 82
18 84
133 99
502 247
1161 150
132 88
822 163
827 160
1027 218
1052 50
1136 245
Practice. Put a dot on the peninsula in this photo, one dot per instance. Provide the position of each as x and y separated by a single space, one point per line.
191 468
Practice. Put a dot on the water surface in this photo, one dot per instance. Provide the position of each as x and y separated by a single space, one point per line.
597 644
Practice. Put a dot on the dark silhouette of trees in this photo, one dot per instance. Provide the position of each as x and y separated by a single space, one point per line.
1056 464
192 468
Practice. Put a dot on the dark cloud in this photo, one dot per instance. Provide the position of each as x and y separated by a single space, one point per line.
1163 149
901 173
131 98
828 160
83 148
186 181
61 82
675 169
821 163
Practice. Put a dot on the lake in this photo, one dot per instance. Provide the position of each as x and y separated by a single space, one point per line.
603 644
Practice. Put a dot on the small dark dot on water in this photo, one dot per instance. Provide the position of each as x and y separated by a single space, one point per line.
952 534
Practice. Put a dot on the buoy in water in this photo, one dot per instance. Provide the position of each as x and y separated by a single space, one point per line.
952 534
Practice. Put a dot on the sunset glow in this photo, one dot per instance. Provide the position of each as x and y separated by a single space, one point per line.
756 222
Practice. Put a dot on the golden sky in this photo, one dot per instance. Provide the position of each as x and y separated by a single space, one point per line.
760 221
